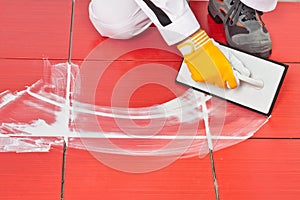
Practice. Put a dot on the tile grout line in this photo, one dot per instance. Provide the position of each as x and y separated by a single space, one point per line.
210 150
64 159
63 172
214 174
71 32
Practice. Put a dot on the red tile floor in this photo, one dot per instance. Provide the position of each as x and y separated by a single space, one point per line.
266 166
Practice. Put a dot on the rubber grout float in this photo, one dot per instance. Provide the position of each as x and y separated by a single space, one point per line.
258 92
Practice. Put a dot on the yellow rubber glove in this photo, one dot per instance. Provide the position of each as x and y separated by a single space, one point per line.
206 62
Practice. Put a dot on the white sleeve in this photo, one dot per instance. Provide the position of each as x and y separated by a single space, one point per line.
261 5
173 18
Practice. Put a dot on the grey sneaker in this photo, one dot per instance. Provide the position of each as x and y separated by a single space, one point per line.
243 25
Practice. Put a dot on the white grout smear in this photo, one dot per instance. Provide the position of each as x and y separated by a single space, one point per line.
38 117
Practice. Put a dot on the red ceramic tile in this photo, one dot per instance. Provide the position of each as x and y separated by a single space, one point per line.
35 29
16 74
282 24
88 178
131 78
259 169
86 38
31 175
26 175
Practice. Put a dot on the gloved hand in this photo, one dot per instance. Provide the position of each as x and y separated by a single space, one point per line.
209 62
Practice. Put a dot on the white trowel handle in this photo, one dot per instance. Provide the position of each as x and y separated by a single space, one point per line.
254 82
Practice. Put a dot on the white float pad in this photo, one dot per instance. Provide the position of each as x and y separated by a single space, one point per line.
261 100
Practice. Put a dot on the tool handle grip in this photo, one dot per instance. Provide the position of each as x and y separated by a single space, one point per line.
254 82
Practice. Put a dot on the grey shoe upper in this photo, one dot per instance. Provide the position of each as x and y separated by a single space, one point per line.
244 27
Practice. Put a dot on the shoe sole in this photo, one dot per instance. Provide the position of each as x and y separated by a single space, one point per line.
215 15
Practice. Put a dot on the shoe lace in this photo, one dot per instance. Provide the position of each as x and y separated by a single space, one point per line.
238 9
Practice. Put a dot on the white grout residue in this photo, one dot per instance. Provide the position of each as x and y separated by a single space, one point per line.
46 113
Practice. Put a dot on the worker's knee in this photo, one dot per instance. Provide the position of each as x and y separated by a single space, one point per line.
118 26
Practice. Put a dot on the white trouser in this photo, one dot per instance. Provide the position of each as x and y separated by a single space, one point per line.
123 19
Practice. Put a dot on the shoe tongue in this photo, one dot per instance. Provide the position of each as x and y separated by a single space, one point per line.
248 13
